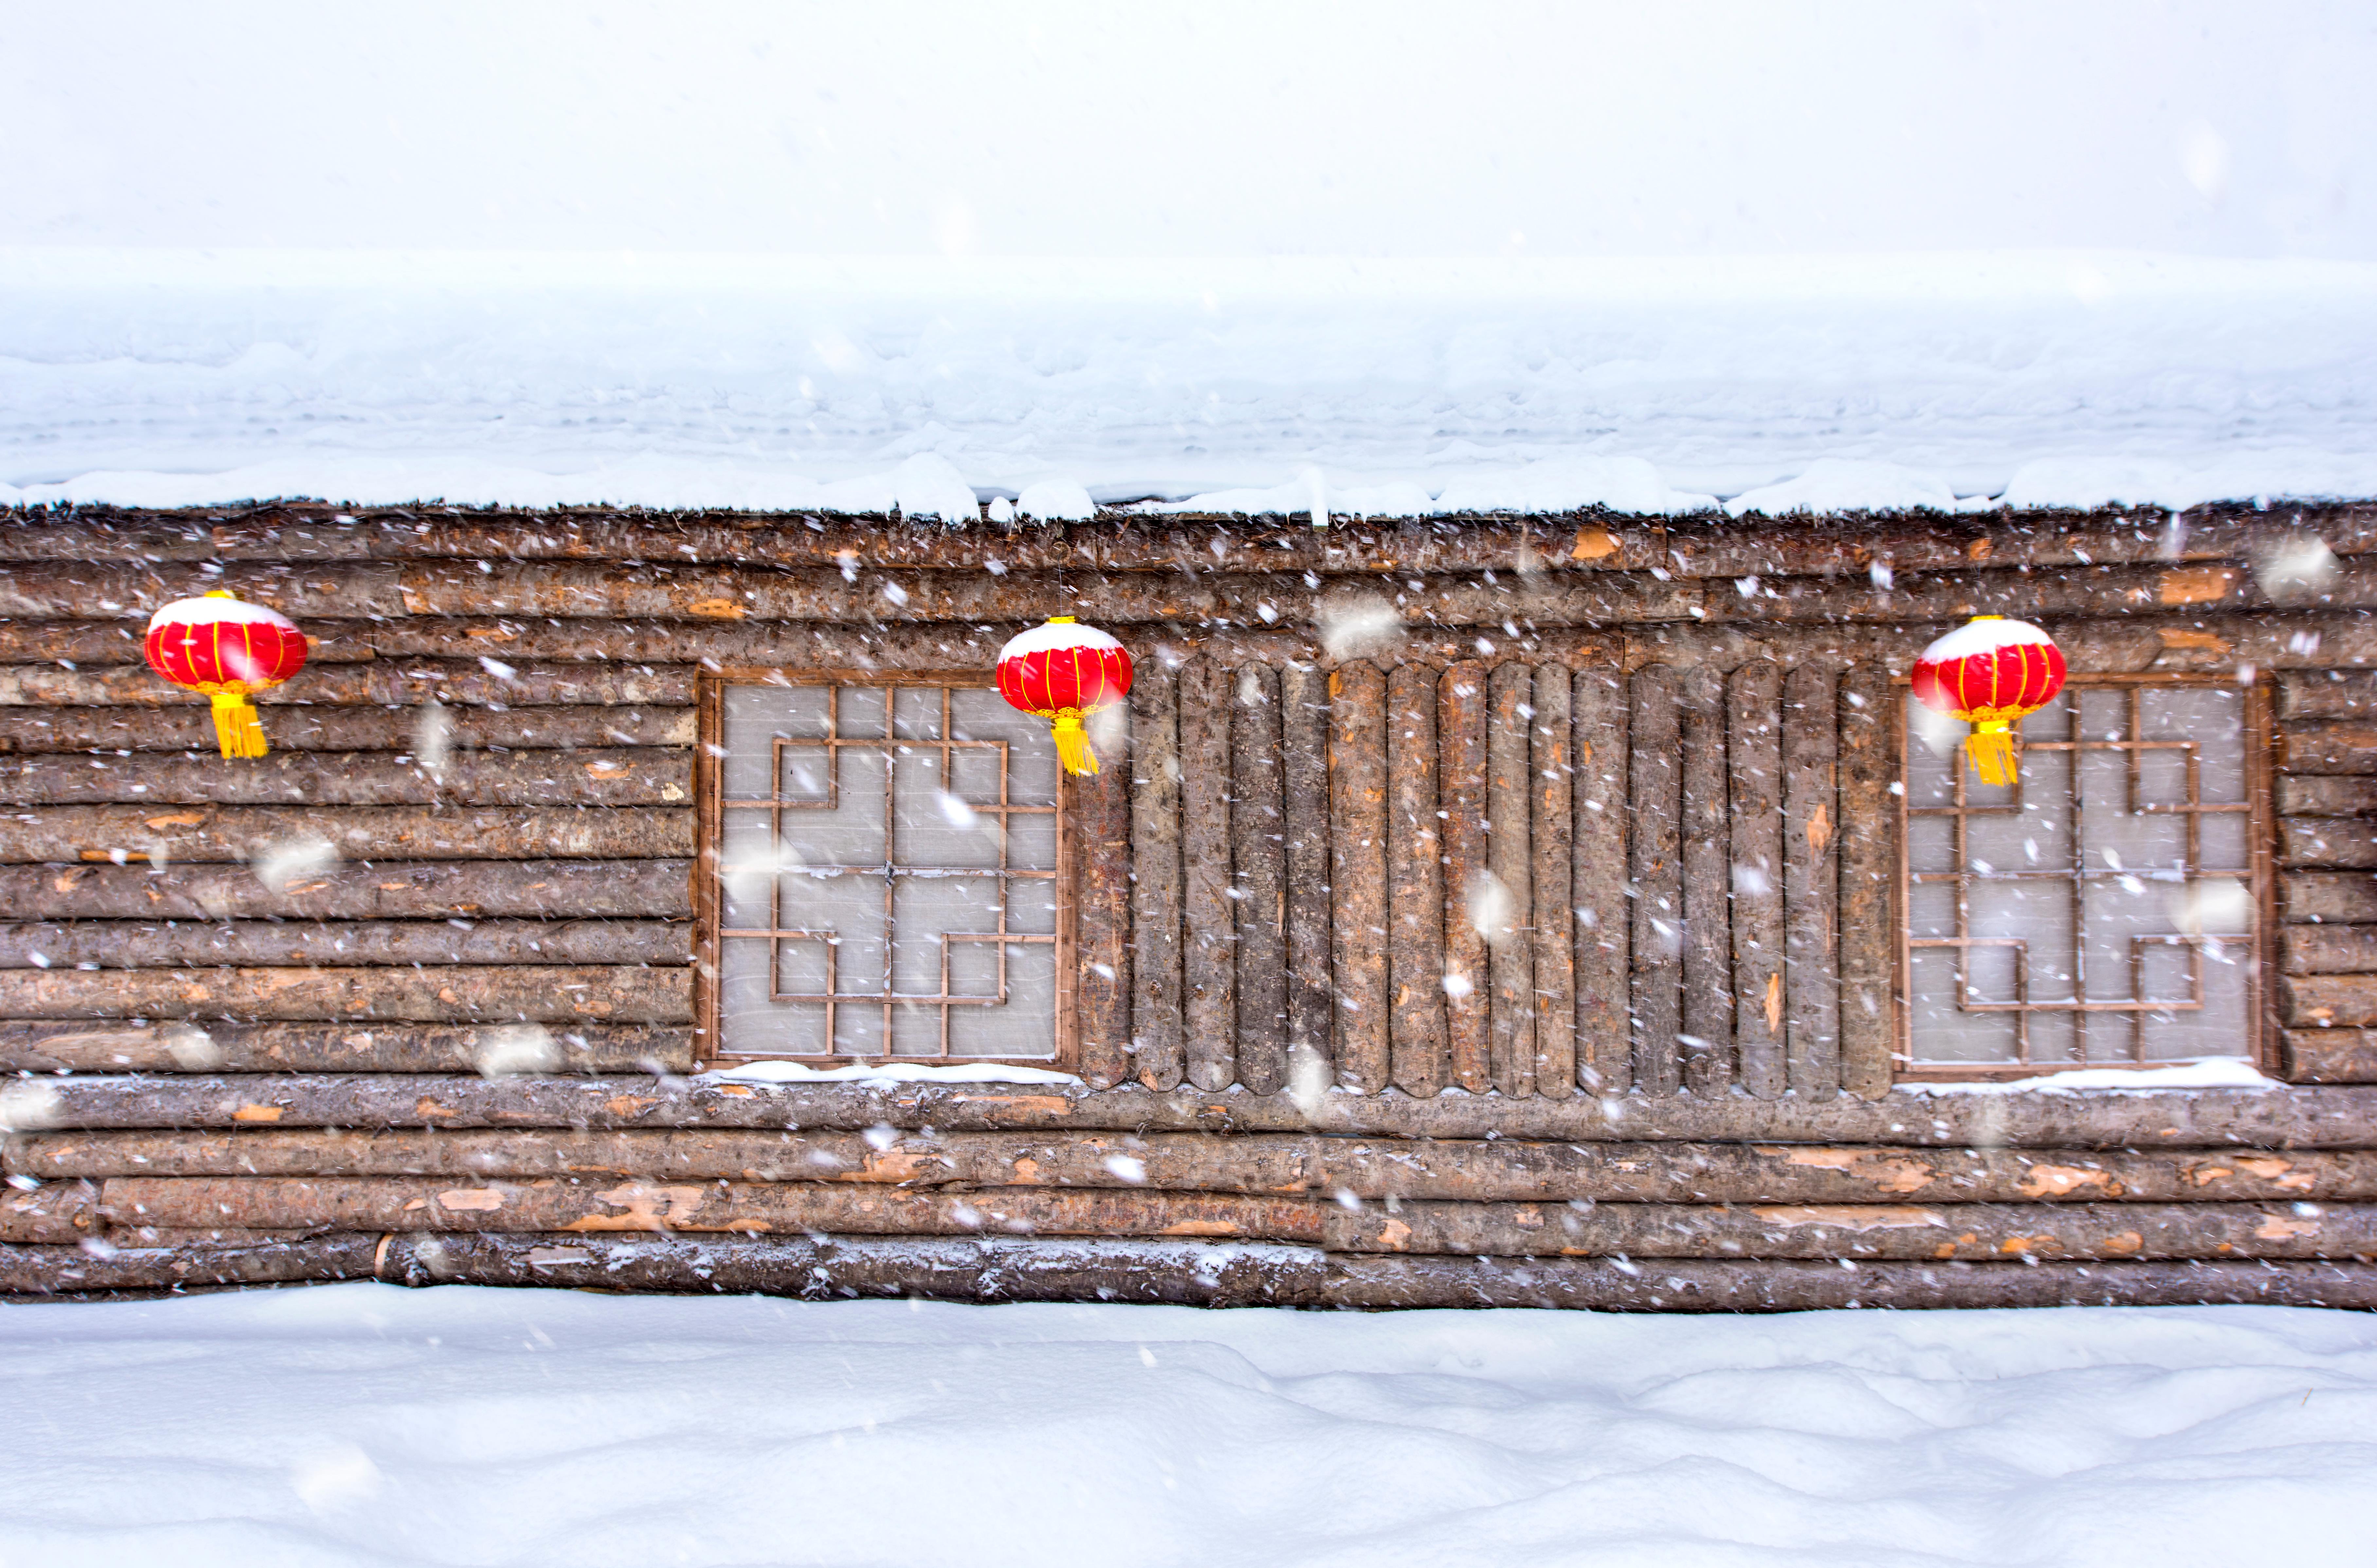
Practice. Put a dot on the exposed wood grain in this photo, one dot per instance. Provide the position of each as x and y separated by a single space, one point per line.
1303 783
1604 914
285 835
1811 882
606 776
2306 747
190 727
1101 825
347 891
1867 938
1707 1035
220 1046
149 944
1754 782
1511 860
1414 885
1208 938
1460 706
1158 1039
1655 809
456 993
1259 851
64 1214
1357 842
1554 1069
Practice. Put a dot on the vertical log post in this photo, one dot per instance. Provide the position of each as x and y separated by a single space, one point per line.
1259 848
1511 857
1102 810
1708 918
1461 731
1358 879
1866 938
1555 922
1754 770
1811 882
1155 1012
1208 953
1304 788
1604 914
1656 810
1416 882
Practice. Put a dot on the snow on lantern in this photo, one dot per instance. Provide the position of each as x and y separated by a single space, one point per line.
1991 671
229 650
1064 672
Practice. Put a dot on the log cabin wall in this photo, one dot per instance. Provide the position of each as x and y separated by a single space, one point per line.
1480 910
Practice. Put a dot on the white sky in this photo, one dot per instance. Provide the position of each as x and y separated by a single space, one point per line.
1215 129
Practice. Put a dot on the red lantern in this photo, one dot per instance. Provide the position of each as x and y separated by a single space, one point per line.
1991 672
1064 672
230 651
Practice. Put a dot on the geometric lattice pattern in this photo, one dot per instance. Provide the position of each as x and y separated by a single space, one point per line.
889 869
2103 909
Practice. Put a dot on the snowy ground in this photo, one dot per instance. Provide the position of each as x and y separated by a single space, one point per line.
366 1424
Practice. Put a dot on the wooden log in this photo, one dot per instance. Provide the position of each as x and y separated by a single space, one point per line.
1158 1043
413 1203
145 944
1867 908
1810 882
70 1271
1101 823
1357 880
1597 888
1462 702
1554 939
603 777
1209 942
2326 842
1707 1034
2328 1001
1656 806
387 891
2328 950
1258 853
219 1047
454 993
1692 1285
2307 747
2325 796
60 1214
1304 781
1970 1232
2345 896
1414 885
2306 1118
30 731
1754 783
387 682
2326 694
77 590
1506 913
2330 1055
292 838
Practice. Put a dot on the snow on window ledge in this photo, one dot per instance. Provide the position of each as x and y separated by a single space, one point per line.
889 1072
2206 1072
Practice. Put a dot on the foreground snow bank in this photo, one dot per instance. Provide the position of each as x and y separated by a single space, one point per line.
366 1424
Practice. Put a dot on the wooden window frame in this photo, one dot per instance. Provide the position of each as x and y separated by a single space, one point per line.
2261 995
710 756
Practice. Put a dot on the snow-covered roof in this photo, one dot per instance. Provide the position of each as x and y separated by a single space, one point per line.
1368 389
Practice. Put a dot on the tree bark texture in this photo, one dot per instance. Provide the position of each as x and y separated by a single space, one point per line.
1358 839
190 727
1552 785
496 1049
147 944
1656 886
1506 910
347 891
301 841
460 992
1414 885
607 776
1707 1037
1158 1041
1304 763
1867 905
1461 703
1604 914
1208 945
1101 806
1259 894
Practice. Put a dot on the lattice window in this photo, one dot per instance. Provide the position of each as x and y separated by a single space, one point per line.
890 855
2105 909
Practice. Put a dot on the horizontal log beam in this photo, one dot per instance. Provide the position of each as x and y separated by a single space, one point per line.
2328 950
189 726
345 891
2344 896
219 1047
2320 796
382 682
2312 841
298 842
1968 1232
603 776
2327 694
2328 1001
2169 1119
62 1212
2305 748
71 1271
1483 1170
404 1204
459 993
2331 1056
146 944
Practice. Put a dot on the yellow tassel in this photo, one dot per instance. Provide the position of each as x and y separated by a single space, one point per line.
1073 744
1990 746
237 728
